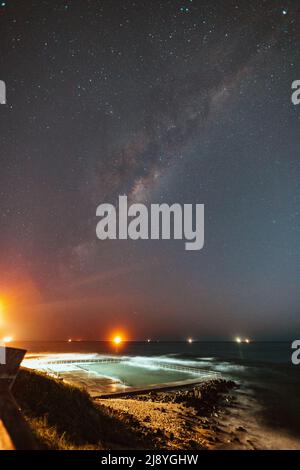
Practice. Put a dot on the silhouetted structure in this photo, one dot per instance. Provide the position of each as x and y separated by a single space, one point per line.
14 432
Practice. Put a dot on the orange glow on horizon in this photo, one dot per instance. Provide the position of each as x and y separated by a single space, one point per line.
117 336
117 340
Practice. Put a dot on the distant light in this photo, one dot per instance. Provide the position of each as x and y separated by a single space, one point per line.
69 340
247 340
148 340
7 339
238 340
285 12
190 340
117 340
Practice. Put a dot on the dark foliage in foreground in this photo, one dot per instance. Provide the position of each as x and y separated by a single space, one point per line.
65 417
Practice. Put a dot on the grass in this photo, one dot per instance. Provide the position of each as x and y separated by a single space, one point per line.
64 417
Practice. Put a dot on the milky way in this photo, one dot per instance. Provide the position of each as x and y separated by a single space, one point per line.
172 101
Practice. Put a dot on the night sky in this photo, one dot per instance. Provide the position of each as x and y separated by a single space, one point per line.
165 101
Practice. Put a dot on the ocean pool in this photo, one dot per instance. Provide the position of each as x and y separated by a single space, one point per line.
138 376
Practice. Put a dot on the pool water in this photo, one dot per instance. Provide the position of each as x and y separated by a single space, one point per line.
138 376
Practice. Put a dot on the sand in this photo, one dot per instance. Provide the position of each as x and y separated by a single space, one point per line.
175 425
181 419
214 416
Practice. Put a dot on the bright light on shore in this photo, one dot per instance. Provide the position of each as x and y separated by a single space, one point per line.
117 340
7 339
242 340
69 340
190 340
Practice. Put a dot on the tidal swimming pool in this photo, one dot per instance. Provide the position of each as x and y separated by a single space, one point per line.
138 376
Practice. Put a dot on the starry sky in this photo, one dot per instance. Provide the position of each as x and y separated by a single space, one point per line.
165 101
